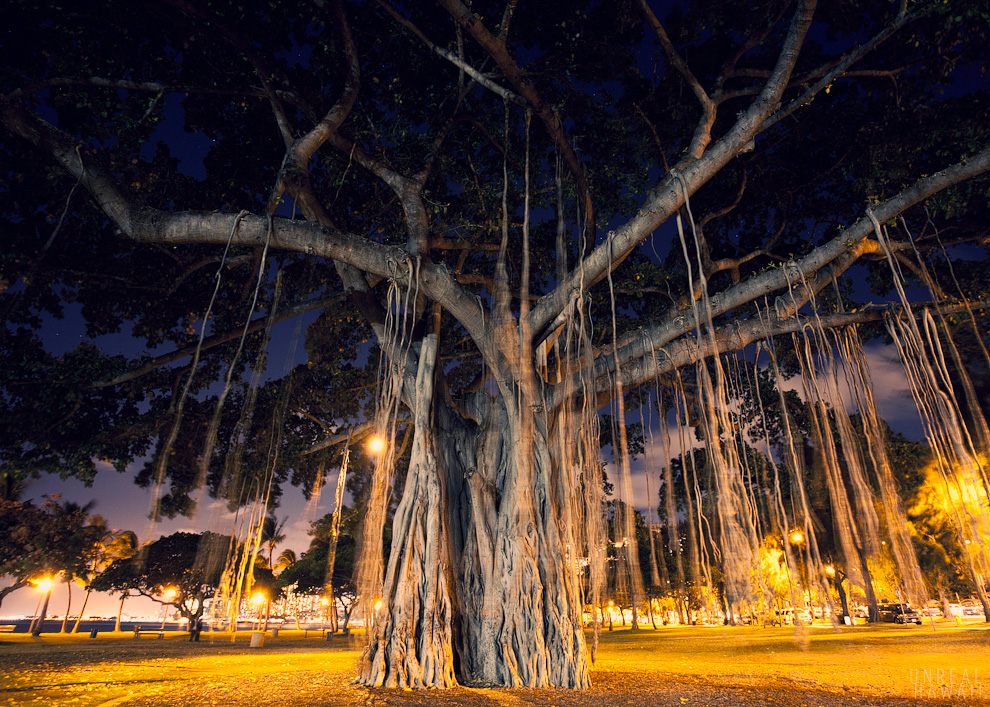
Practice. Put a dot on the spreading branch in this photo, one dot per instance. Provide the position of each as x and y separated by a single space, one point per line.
149 225
454 59
686 178
689 350
703 132
803 278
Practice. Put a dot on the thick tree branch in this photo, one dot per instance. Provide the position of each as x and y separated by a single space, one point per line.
803 277
688 175
154 226
461 244
687 350
294 175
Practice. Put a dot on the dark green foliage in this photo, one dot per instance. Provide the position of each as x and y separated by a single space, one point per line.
44 541
190 563
311 574
201 135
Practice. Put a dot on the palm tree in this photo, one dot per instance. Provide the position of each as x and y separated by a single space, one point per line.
108 545
285 558
272 535
120 609
12 486
65 537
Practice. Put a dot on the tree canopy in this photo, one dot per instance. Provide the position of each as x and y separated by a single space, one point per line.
44 541
190 564
401 142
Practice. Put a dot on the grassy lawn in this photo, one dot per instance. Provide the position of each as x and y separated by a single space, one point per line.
117 669
883 661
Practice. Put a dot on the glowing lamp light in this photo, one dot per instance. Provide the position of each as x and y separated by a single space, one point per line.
170 593
324 601
378 605
376 445
830 571
797 537
258 598
44 584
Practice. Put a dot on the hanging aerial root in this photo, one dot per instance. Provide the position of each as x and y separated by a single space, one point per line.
410 636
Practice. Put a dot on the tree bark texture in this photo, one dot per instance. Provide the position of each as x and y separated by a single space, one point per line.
481 583
519 620
524 626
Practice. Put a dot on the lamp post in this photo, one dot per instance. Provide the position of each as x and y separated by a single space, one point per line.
257 599
44 585
324 602
170 595
797 539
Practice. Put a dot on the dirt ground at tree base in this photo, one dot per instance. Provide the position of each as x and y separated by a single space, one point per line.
703 667
614 690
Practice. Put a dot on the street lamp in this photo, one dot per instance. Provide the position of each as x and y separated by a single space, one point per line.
324 602
43 585
376 445
170 595
257 599
797 537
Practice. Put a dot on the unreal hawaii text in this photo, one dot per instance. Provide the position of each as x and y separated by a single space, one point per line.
947 683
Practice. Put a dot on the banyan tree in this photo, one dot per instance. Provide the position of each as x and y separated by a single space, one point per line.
497 222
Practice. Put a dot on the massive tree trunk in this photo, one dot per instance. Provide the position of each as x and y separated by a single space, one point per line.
481 583
520 604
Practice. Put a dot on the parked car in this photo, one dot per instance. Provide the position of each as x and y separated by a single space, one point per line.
789 615
899 614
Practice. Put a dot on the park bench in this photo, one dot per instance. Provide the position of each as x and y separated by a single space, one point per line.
138 632
7 628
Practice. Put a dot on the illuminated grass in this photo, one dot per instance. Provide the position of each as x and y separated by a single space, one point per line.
293 670
883 661
120 669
